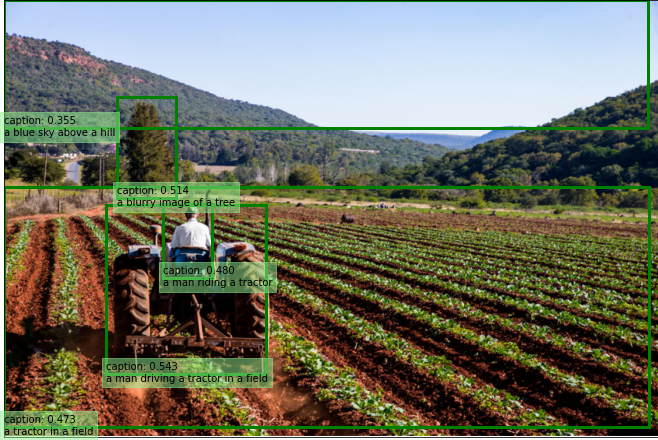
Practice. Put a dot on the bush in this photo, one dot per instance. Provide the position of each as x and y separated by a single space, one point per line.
472 203
261 193
528 202
558 211
551 198
373 199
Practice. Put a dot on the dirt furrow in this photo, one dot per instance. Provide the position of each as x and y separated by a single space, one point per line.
91 274
440 404
563 359
503 373
635 353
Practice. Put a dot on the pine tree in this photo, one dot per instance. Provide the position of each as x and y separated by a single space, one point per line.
150 158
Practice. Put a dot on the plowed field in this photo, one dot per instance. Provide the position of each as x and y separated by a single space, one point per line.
374 325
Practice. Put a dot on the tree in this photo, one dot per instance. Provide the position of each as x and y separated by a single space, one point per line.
306 175
578 197
634 199
528 201
150 158
499 195
90 166
245 148
17 158
478 179
32 170
386 167
186 172
226 176
329 163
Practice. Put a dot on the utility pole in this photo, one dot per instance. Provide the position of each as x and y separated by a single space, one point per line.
45 168
100 173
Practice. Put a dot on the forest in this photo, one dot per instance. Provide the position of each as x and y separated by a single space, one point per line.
54 76
543 157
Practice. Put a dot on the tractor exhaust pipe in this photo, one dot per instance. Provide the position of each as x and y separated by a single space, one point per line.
156 230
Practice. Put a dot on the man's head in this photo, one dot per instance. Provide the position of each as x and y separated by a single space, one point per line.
191 212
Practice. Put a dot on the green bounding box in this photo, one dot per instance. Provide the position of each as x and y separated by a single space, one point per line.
171 197
220 278
60 127
188 373
50 424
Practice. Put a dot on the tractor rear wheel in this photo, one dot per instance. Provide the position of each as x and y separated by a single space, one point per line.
131 300
249 306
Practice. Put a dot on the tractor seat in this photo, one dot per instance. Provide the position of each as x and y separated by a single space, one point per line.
190 254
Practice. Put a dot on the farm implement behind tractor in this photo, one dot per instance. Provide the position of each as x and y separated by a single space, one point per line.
232 322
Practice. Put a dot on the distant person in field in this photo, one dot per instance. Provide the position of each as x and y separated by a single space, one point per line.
191 233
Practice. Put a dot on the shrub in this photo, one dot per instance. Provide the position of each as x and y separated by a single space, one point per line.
528 202
472 203
261 193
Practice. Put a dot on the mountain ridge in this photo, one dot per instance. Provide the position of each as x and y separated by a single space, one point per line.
55 76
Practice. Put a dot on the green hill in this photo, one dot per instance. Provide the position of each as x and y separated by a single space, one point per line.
53 76
541 157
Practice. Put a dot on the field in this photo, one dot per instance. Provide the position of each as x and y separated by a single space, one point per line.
414 319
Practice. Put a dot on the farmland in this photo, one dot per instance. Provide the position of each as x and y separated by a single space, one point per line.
459 321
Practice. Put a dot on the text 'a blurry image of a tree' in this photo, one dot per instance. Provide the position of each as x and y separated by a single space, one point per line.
150 157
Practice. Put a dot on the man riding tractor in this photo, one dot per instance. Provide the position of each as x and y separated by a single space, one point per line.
191 240
229 320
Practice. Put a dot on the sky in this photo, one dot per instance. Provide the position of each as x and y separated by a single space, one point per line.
372 64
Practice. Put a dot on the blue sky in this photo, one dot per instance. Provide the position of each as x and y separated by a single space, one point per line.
371 64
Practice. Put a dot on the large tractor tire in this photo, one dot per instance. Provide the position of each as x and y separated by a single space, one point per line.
131 300
249 306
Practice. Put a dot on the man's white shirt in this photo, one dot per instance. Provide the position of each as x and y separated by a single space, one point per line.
192 233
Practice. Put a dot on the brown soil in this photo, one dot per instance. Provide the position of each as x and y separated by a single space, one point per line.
291 402
598 373
28 294
91 274
535 388
99 210
446 220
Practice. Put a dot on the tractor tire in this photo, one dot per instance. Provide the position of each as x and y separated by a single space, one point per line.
249 306
131 301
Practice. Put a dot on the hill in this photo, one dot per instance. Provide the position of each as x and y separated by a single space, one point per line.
53 76
456 142
614 157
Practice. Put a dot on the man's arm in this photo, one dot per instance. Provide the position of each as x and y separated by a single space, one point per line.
208 238
174 239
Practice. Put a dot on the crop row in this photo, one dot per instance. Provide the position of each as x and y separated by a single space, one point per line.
535 265
15 255
113 248
228 409
338 383
445 279
488 397
139 238
433 323
507 349
551 283
62 384
485 275
467 311
518 243
65 299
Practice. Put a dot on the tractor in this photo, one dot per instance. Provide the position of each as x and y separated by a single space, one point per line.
238 322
